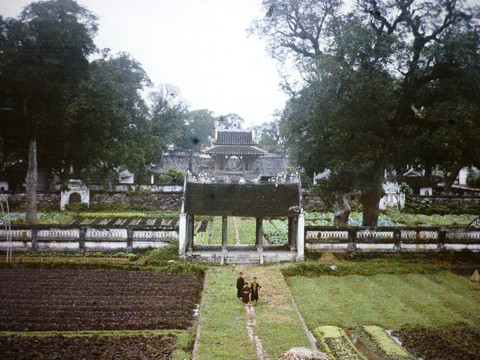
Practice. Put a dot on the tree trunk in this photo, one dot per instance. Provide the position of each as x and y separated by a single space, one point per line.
341 210
370 200
449 177
32 179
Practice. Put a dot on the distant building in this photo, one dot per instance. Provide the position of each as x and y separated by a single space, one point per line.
234 154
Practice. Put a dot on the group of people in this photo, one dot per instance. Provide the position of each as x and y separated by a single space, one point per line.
248 293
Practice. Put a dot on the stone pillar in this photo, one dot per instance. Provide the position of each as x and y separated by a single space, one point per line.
81 239
301 237
224 233
34 239
259 234
291 232
129 239
182 234
190 232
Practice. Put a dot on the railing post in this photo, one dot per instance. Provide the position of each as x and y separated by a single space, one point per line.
397 240
352 240
442 237
300 229
34 238
129 239
81 238
224 233
259 233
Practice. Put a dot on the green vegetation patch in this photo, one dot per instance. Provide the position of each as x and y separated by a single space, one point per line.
388 301
278 324
378 341
336 344
223 319
366 268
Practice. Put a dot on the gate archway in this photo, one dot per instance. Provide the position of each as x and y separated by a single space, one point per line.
255 200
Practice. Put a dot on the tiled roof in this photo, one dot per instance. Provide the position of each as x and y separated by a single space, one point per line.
234 150
236 137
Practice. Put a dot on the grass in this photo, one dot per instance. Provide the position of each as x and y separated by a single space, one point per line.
159 259
223 319
223 332
245 227
366 267
278 324
388 300
405 219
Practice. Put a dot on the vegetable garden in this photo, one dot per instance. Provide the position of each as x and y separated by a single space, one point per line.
113 307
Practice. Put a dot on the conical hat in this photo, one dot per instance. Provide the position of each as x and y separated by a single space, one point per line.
475 277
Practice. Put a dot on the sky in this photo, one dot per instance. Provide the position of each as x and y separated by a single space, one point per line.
199 46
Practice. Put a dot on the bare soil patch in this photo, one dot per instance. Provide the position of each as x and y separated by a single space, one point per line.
90 347
75 300
448 344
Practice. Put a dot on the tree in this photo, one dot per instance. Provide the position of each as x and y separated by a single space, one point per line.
200 128
270 137
168 116
43 57
364 71
230 121
108 121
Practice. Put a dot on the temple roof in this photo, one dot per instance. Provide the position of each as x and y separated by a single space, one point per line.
235 142
234 137
234 150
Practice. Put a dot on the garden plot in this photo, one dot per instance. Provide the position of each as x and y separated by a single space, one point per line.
87 347
75 300
336 344
387 300
447 343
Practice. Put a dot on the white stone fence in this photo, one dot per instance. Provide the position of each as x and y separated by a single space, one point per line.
389 239
85 238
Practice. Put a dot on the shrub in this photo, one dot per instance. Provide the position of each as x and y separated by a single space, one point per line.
473 179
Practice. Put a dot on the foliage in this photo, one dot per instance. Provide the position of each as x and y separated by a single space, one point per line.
473 179
426 207
363 73
377 338
364 268
270 138
276 231
335 342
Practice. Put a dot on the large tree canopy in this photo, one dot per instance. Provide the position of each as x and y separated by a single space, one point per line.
43 58
366 73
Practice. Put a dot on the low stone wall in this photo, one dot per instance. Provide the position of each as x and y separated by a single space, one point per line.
84 239
121 200
388 239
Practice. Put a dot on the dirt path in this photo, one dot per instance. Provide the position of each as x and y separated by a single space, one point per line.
237 235
229 330
276 308
251 325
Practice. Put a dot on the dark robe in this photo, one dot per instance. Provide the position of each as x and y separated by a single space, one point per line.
246 294
254 291
240 283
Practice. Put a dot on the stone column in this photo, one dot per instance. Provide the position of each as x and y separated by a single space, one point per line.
182 234
259 233
129 239
224 233
190 232
301 237
291 233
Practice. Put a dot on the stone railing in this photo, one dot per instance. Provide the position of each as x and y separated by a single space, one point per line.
389 239
85 238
